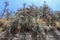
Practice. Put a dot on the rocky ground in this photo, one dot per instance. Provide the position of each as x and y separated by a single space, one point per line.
51 35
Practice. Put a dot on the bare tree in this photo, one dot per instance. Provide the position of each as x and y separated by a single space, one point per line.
6 4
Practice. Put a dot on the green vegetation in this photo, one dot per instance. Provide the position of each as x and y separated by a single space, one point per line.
26 18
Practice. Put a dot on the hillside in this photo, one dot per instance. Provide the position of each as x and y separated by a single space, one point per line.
30 23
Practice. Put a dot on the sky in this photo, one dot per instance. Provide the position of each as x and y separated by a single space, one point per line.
16 4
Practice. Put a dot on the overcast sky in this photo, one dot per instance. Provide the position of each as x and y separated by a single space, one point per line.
15 4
